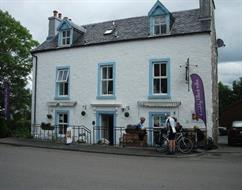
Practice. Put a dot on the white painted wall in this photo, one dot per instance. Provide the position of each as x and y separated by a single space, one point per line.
132 77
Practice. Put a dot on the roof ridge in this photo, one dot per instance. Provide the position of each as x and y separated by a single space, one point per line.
85 25
113 20
186 10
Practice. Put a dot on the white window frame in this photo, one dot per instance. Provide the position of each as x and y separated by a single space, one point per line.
62 78
159 78
161 22
65 38
106 80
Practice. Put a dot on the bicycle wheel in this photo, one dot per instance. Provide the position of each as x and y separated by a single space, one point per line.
185 145
162 146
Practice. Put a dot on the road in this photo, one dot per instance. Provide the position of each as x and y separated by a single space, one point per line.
35 168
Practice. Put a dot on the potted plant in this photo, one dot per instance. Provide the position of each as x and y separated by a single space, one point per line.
46 126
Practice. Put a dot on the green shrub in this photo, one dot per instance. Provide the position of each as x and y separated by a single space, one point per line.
4 130
22 129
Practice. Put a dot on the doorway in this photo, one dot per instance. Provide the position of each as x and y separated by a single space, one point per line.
105 124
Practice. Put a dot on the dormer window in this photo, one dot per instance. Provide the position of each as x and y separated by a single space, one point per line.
66 37
160 20
160 25
67 32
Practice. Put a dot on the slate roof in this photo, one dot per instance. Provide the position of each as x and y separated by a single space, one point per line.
137 28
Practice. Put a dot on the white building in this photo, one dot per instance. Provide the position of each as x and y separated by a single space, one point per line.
110 74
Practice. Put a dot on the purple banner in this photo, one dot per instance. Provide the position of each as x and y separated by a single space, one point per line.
6 100
199 97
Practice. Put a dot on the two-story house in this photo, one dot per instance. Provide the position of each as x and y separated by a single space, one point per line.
110 74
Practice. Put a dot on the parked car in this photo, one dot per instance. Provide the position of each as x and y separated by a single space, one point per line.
235 133
222 131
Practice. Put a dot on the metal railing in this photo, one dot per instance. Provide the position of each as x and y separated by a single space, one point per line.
80 133
105 135
99 134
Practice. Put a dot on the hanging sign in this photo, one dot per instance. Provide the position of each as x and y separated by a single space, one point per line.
199 97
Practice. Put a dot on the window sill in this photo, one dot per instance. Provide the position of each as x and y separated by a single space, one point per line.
63 46
159 97
62 98
106 97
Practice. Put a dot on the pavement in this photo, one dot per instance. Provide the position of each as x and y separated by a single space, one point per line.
106 149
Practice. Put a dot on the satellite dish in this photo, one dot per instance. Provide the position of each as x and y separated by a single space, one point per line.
220 43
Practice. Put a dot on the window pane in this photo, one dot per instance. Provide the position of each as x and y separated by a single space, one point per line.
156 86
66 88
59 75
63 41
156 70
163 69
61 118
61 129
67 40
65 118
156 121
157 29
64 34
159 19
163 29
61 89
104 87
110 87
68 33
104 73
110 72
64 75
163 85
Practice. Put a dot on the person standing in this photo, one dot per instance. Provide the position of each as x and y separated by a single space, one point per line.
141 130
171 127
141 123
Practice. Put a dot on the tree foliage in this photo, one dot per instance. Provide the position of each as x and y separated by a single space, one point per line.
228 96
15 61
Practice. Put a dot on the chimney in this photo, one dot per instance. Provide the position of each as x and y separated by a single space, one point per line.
206 9
54 22
59 15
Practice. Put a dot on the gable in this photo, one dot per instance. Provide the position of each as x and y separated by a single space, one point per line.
64 25
158 9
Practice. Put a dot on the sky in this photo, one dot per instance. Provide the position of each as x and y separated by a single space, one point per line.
33 14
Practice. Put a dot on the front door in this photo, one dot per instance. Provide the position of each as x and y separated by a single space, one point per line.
107 125
62 123
157 119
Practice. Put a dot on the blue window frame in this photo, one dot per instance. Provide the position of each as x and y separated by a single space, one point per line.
62 83
159 78
106 81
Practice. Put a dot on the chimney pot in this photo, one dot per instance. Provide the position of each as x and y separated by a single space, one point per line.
55 13
59 15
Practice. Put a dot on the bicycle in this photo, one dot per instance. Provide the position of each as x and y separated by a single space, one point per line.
183 144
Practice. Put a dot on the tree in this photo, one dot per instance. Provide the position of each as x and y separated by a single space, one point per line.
237 90
225 97
15 62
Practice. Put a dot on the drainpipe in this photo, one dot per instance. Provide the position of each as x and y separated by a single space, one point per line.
35 86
